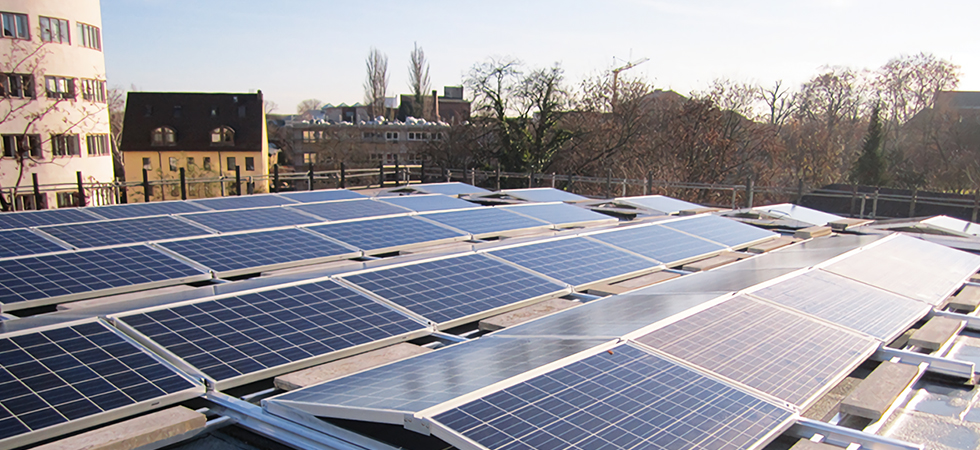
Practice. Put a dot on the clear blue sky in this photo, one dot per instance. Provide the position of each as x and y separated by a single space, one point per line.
293 50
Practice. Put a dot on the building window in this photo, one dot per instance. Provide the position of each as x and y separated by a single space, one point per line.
310 136
147 165
67 199
17 85
241 111
214 111
190 162
23 144
223 136
173 163
54 30
391 136
60 87
90 36
309 158
64 145
93 90
98 144
231 163
163 137
178 111
28 202
249 163
207 163
15 26
371 135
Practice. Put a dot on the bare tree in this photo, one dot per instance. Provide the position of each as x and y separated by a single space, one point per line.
269 106
310 104
376 82
116 103
908 84
779 105
418 79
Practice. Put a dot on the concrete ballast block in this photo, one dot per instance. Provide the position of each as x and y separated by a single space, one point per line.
879 390
843 224
975 278
695 211
135 433
966 300
647 280
769 246
526 313
935 333
711 263
806 444
812 232
347 366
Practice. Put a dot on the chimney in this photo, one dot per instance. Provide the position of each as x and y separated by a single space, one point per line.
435 103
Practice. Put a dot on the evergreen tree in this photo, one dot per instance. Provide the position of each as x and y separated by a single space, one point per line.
871 167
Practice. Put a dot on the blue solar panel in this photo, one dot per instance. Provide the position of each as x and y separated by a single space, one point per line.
544 195
244 202
428 202
560 213
126 231
50 378
662 244
28 219
350 209
24 242
454 188
453 288
576 261
256 250
659 203
49 277
618 399
244 334
719 229
250 219
131 210
387 232
321 196
486 221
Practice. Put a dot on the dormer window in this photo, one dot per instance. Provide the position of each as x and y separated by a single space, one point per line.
223 136
162 137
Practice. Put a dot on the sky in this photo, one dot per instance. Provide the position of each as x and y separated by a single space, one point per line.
292 50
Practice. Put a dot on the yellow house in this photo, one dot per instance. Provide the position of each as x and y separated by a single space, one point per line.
206 134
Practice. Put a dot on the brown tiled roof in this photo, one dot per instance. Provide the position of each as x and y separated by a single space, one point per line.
146 111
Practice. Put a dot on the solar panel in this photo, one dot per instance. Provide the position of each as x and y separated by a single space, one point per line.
954 224
126 231
560 214
911 267
321 196
486 221
786 355
801 213
231 337
233 254
434 202
48 279
848 303
28 219
659 203
350 209
24 242
250 219
454 188
131 210
662 244
414 384
244 201
576 261
387 233
62 379
544 195
449 290
719 229
621 398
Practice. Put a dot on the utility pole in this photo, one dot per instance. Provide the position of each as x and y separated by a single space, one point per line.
615 73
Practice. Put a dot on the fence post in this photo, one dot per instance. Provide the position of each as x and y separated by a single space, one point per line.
37 192
568 184
530 179
976 204
81 189
608 183
874 205
311 176
646 184
734 196
397 174
381 174
624 187
915 195
146 186
183 185
854 193
864 198
498 176
552 180
473 176
799 190
275 178
343 175
422 171
238 179
449 175
250 186
750 191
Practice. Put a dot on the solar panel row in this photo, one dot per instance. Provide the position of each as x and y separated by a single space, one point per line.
577 261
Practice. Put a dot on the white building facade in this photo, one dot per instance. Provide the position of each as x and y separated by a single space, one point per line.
54 119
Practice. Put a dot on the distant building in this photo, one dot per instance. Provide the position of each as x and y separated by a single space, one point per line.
207 134
58 123
450 108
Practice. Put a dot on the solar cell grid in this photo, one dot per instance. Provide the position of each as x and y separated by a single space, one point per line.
449 289
623 398
64 374
24 242
454 188
576 261
28 219
428 202
250 219
244 202
544 195
132 210
486 221
240 335
350 209
559 213
662 244
387 232
721 230
320 196
660 203
126 231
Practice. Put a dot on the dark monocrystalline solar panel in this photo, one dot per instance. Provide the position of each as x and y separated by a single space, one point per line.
127 231
250 219
387 232
131 210
854 305
238 335
662 244
486 220
783 354
253 250
320 196
453 288
57 275
623 398
559 213
350 209
428 202
576 261
414 384
27 219
24 242
243 202
721 230
64 374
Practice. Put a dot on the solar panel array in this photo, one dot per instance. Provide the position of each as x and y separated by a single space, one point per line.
660 243
544 195
428 202
622 398
560 213
20 242
132 210
453 188
28 219
448 289
244 334
350 209
243 202
577 261
387 232
60 375
486 221
659 203
320 196
719 229
250 219
127 231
